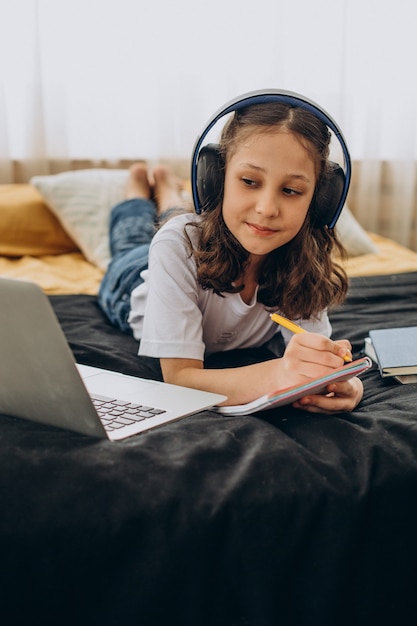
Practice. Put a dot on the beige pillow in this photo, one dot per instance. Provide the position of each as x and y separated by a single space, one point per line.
82 201
27 226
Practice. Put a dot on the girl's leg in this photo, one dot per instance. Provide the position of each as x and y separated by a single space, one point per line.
130 241
168 194
167 189
132 222
132 226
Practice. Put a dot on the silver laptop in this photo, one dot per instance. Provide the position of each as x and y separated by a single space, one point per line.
40 381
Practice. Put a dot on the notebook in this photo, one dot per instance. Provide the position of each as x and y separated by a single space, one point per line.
291 394
40 381
395 350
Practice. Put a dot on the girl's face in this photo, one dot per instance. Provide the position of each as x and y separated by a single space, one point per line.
269 184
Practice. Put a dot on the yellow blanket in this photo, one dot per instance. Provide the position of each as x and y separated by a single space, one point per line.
57 274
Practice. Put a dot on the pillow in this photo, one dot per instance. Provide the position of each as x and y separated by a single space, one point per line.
27 226
82 201
354 238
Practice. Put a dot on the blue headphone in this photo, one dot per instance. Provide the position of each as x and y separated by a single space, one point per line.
207 170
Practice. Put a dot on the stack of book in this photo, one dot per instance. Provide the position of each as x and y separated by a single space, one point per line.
394 350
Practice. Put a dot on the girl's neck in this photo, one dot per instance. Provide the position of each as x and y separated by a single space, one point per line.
250 279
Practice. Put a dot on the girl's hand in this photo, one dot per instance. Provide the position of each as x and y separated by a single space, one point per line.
341 397
309 355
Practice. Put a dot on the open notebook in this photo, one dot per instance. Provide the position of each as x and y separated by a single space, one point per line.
40 381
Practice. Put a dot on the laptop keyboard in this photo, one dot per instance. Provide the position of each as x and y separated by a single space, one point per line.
116 414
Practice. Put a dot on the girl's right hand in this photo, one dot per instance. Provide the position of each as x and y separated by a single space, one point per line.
309 355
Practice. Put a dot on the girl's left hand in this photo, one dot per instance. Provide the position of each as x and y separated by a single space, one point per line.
340 397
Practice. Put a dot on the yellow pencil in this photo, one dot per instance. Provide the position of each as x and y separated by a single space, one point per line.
294 328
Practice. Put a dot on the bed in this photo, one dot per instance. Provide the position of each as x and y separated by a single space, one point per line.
279 518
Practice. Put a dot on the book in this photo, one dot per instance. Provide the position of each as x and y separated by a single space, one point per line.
291 394
405 379
394 350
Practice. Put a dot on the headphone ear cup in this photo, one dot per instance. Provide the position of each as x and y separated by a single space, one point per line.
325 206
209 177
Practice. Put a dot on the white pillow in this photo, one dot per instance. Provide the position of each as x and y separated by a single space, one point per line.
354 238
82 201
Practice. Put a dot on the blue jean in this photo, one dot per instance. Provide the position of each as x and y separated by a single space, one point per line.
132 227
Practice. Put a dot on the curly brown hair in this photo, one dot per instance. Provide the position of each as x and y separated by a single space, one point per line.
301 278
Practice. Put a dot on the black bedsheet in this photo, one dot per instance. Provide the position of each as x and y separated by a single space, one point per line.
283 518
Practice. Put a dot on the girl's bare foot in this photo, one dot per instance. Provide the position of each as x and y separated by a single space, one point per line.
138 184
167 189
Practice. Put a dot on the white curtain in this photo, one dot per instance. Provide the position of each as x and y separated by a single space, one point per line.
126 79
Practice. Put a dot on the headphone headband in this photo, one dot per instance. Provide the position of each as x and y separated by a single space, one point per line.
264 97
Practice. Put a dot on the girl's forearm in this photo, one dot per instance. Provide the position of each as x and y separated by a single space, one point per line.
240 384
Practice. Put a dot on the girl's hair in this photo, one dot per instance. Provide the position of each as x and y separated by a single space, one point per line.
301 278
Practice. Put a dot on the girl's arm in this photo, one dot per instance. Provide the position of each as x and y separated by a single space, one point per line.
307 356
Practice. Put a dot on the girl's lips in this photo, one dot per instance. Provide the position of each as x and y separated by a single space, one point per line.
263 231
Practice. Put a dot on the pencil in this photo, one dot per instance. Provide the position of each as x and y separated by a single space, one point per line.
295 328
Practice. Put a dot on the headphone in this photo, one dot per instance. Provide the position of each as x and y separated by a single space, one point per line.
207 168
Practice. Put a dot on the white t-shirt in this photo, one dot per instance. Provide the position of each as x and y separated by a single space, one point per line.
173 317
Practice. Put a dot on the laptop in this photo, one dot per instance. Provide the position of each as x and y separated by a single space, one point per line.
40 381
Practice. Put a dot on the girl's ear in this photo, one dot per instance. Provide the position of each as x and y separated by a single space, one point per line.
325 206
209 177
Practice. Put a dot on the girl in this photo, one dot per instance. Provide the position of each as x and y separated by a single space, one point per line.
213 279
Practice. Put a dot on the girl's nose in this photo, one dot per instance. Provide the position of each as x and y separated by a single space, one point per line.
267 204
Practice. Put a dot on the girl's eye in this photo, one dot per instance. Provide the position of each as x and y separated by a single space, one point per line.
291 192
248 182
